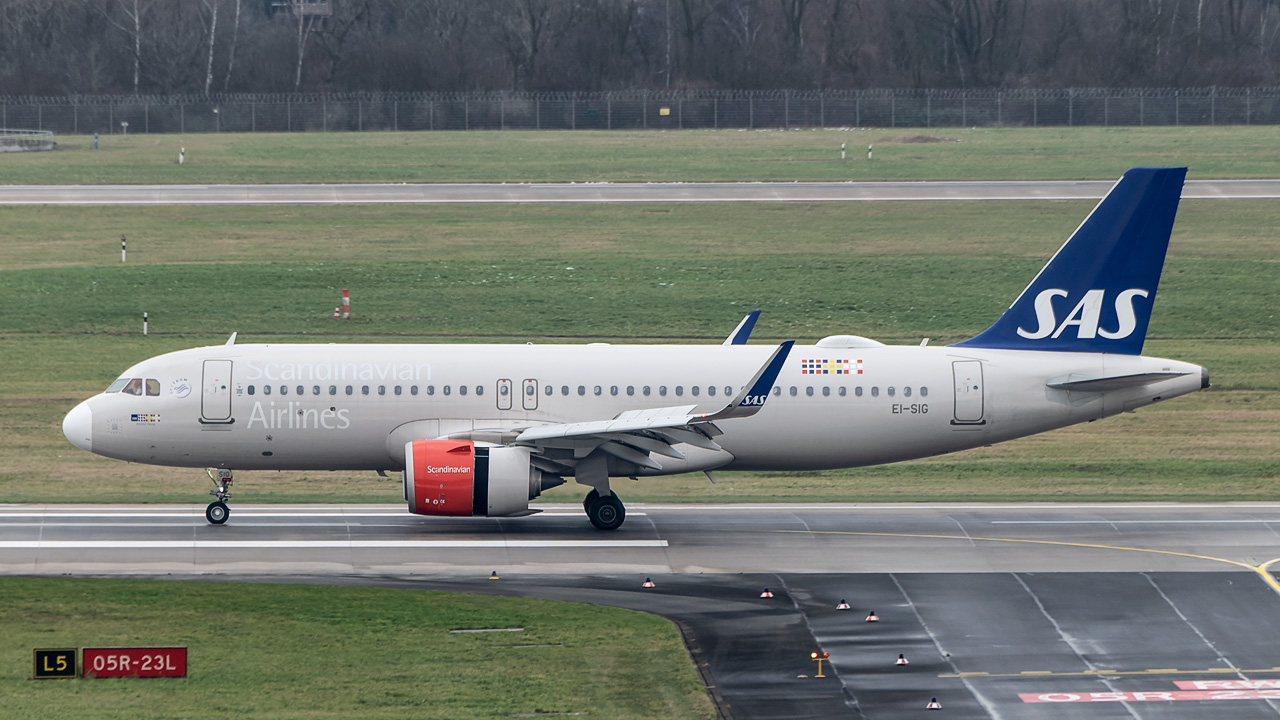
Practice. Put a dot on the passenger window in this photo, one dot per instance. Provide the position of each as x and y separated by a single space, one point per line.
631 389
266 389
809 391
694 390
662 390
858 391
315 390
679 390
350 390
728 391
711 390
382 390
613 389
794 392
303 391
875 391
333 389
117 386
397 389
284 389
826 392
250 389
890 391
364 389
462 389
548 391
906 391
153 387
564 389
134 387
645 390
842 391
582 390
777 390
479 389
413 390
596 390
446 390
924 392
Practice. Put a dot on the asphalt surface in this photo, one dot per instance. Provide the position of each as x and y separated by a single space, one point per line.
1053 611
405 193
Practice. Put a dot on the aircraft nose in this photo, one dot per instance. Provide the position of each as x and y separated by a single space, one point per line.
78 426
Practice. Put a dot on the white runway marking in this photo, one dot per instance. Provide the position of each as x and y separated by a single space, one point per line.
316 544
1133 522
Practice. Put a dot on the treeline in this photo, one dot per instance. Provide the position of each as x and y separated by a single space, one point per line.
58 47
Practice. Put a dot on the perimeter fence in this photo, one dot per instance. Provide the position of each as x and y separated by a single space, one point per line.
788 109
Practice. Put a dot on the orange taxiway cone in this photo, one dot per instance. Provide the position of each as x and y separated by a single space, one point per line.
902 659
766 593
493 575
933 705
648 583
873 617
843 605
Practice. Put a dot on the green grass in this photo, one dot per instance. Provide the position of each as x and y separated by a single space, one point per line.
897 272
549 156
666 272
289 651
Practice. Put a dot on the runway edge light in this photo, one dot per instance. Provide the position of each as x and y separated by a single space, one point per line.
902 659
843 605
493 575
873 617
767 593
648 583
933 705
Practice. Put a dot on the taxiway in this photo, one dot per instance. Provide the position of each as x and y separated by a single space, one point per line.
1019 610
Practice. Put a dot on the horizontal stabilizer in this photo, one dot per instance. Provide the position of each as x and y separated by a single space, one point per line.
1085 383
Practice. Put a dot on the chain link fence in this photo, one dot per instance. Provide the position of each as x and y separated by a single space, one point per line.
357 112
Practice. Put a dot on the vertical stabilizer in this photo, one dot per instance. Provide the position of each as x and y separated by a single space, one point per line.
1096 293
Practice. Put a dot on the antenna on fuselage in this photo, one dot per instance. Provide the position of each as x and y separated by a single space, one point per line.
232 340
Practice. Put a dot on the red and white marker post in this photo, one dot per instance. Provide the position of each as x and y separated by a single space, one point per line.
346 303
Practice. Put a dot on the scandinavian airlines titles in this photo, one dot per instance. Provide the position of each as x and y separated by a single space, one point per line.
1086 315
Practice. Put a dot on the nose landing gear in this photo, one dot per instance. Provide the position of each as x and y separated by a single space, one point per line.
218 512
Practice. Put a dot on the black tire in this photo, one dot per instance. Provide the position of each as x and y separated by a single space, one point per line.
217 513
607 513
591 497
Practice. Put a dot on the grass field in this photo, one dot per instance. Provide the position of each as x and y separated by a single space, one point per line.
593 156
289 651
897 272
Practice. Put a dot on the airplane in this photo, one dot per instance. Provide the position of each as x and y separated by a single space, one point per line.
481 430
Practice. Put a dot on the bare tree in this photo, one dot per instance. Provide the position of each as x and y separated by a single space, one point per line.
231 56
132 26
306 23
212 7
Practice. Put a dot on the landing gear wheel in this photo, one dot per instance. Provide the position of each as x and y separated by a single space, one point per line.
606 513
590 498
217 513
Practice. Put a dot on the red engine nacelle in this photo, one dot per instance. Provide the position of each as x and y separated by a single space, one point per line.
454 477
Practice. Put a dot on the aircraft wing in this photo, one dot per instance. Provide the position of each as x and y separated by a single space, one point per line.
636 434
741 333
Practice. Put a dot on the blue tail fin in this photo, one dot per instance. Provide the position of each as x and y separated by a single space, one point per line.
1096 293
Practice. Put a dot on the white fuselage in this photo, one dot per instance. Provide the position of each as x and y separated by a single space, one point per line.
353 407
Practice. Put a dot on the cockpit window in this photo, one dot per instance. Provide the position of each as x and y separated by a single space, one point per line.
134 387
153 388
117 386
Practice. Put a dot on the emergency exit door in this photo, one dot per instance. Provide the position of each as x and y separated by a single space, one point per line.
969 407
530 394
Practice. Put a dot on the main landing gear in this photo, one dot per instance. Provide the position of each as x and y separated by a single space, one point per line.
605 512
218 512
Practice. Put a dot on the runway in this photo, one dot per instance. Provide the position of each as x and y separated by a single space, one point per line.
433 193
1019 610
